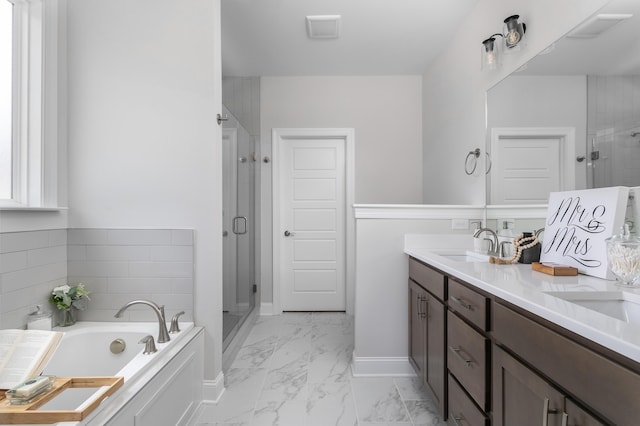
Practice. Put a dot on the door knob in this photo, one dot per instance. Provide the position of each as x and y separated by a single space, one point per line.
289 234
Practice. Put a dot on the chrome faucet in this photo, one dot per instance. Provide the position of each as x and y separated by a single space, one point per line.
493 241
503 248
163 334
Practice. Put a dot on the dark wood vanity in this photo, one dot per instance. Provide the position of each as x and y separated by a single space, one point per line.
490 362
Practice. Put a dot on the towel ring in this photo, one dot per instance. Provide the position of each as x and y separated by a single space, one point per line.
473 156
488 163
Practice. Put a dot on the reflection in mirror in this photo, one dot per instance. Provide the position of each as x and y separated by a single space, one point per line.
570 118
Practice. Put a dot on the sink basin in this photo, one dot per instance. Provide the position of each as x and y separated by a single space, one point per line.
621 305
467 256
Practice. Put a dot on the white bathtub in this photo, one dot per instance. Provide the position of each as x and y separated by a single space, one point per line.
85 351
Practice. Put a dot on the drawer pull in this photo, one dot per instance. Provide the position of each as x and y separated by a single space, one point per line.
462 303
457 419
457 352
546 411
419 303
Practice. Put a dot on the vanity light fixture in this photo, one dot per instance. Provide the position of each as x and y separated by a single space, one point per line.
512 36
515 31
490 53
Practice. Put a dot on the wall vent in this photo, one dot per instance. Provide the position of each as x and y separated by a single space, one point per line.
598 24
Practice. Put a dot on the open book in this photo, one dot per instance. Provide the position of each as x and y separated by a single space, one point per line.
24 354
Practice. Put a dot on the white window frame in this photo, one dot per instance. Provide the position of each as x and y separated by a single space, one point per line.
36 112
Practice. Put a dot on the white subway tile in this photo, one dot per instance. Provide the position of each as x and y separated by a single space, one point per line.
99 269
182 285
13 261
58 237
160 269
19 241
118 253
140 285
182 237
87 236
171 253
139 236
77 252
13 281
45 256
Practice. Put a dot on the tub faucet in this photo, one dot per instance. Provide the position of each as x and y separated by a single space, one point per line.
163 334
493 241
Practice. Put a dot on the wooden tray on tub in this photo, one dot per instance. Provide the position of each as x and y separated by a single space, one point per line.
30 414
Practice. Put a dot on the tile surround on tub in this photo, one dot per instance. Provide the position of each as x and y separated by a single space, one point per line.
117 265
120 265
31 264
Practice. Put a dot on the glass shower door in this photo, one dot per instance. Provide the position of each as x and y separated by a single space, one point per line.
614 156
238 230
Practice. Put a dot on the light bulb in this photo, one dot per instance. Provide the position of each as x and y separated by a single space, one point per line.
512 38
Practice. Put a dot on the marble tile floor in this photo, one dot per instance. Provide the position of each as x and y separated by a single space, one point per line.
294 370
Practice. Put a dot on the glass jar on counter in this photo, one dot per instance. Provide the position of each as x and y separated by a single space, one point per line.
623 254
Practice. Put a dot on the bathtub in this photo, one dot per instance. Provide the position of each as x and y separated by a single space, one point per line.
178 364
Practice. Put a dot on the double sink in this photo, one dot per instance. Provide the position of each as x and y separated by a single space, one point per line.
621 305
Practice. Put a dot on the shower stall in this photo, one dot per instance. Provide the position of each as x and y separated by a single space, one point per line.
613 128
615 156
239 230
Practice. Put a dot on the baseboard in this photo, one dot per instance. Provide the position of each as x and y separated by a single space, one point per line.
212 390
381 366
266 309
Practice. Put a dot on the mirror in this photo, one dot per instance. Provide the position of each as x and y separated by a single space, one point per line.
570 118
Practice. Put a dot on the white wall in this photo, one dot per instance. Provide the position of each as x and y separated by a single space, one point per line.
386 115
543 101
454 88
144 147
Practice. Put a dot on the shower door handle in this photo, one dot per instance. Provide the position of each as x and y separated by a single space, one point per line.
236 228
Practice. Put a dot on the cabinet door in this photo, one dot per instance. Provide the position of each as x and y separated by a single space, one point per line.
576 416
436 351
418 328
520 396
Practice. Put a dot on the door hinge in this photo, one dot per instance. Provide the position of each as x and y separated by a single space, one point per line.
255 288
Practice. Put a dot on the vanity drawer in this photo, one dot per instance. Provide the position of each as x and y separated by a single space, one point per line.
469 304
462 410
467 358
432 280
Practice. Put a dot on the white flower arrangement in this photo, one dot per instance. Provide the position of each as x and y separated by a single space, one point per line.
65 296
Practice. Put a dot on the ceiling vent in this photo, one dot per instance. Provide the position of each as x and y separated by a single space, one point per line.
323 26
598 24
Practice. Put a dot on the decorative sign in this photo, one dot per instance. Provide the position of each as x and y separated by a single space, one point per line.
578 223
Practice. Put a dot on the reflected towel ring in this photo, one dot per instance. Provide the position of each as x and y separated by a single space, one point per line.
488 163
473 156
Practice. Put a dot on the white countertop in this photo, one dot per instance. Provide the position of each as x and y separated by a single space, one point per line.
526 288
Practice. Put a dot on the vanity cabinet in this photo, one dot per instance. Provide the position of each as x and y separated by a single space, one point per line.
570 366
506 366
427 325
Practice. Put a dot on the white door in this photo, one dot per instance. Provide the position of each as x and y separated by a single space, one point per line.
312 229
527 164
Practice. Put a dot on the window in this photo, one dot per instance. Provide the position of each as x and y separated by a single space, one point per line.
29 41
6 107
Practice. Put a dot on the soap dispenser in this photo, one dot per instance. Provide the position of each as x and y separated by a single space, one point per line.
39 320
479 245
